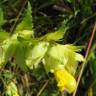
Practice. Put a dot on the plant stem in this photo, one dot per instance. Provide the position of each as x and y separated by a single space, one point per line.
64 93
86 55
41 90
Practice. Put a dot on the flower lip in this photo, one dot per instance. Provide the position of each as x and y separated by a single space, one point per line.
65 80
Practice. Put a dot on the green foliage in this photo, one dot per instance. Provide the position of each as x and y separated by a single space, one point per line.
3 35
20 56
11 90
92 62
7 50
2 20
26 23
60 23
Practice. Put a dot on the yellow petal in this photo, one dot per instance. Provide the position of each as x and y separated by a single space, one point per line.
65 80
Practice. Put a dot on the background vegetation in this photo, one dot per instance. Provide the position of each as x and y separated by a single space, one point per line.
76 18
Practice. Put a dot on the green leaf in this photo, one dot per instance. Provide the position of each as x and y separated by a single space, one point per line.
20 56
11 90
3 35
26 23
7 76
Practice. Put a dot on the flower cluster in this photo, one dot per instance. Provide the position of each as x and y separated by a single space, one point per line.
61 60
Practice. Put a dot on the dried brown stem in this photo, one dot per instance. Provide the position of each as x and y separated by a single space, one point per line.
86 55
41 90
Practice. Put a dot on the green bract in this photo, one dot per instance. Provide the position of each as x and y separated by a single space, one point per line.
53 36
25 34
3 35
62 56
20 56
36 54
7 50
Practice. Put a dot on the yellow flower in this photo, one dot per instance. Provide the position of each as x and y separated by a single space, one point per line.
65 80
16 94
